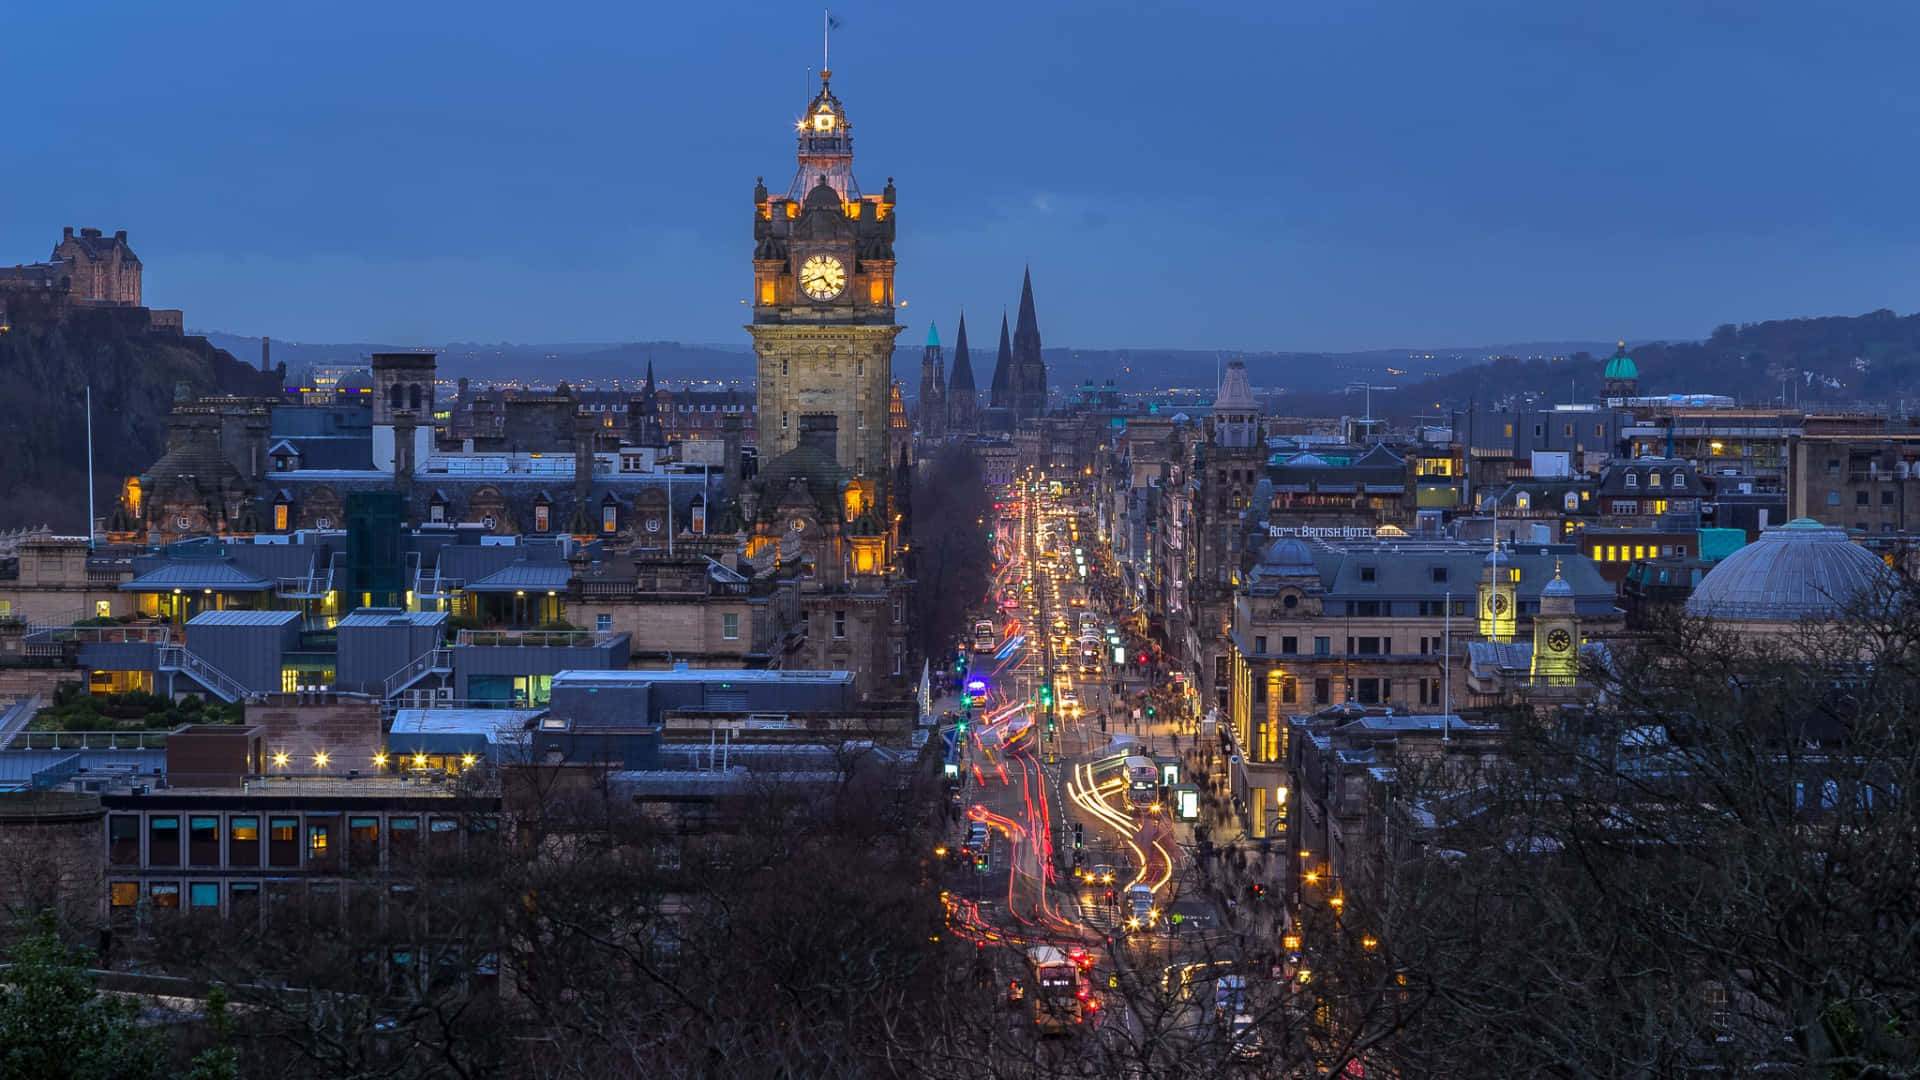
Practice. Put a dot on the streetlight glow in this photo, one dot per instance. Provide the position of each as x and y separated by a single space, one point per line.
280 759
320 759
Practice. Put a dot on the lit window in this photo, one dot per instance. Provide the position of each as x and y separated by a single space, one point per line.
165 894
280 517
542 518
1633 480
204 895
609 518
1653 479
124 893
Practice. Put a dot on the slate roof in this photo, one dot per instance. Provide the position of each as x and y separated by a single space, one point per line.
244 618
197 574
522 575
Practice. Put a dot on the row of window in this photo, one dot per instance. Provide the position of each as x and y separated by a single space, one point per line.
329 842
1367 691
1633 552
1653 479
1860 498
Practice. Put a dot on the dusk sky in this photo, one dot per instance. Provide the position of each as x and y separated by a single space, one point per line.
1287 175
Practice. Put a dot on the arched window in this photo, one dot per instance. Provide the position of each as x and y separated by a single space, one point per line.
394 396
413 397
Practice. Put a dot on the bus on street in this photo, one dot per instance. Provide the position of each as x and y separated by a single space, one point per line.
984 638
1143 782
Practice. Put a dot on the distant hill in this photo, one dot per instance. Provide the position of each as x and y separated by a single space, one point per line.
1869 361
46 366
1131 369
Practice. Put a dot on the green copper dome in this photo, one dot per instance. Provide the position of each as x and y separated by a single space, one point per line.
933 336
1621 366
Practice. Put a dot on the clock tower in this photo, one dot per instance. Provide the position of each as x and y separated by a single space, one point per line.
823 325
1498 595
1556 635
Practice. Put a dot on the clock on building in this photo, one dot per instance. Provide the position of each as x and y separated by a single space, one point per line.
1559 641
1498 603
822 277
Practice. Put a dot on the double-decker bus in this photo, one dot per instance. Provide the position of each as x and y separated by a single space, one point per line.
1056 1000
984 638
1143 782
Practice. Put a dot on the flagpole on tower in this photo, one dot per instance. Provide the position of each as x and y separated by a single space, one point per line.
826 24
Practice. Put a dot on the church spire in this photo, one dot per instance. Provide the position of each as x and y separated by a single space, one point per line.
963 401
1003 384
1029 369
962 366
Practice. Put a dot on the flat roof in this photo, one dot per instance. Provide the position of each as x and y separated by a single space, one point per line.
491 723
637 677
391 617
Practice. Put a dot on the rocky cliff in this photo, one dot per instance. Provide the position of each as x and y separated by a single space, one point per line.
48 359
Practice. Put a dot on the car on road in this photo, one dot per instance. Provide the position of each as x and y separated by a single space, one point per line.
1101 874
1140 906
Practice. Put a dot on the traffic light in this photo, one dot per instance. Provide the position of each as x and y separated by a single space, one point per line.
1050 725
1150 712
960 664
1079 834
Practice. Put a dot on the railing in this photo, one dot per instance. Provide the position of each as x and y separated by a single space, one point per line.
536 639
90 740
427 663
178 658
144 633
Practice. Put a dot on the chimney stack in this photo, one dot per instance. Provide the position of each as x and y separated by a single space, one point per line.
264 365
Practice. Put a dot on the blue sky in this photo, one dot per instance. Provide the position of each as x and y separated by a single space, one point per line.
1267 176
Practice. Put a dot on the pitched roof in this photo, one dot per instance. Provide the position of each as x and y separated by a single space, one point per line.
213 574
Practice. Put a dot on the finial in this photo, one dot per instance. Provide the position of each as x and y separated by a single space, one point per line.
1556 568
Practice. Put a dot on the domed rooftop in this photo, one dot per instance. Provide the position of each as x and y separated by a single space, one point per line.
1559 586
1802 569
1286 557
1621 366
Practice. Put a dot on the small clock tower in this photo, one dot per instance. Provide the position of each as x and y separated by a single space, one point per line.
1498 589
823 302
1556 635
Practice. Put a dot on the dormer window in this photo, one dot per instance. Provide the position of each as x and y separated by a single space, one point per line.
1522 501
1679 479
1633 480
1572 501
1653 479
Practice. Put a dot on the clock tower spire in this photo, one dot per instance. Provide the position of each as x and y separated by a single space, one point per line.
823 305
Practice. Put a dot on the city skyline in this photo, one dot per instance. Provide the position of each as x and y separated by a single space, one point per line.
1330 175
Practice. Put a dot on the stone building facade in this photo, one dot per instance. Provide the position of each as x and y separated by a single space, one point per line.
102 268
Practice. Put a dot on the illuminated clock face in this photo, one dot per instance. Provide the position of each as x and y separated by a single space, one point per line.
1498 604
822 277
1559 641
